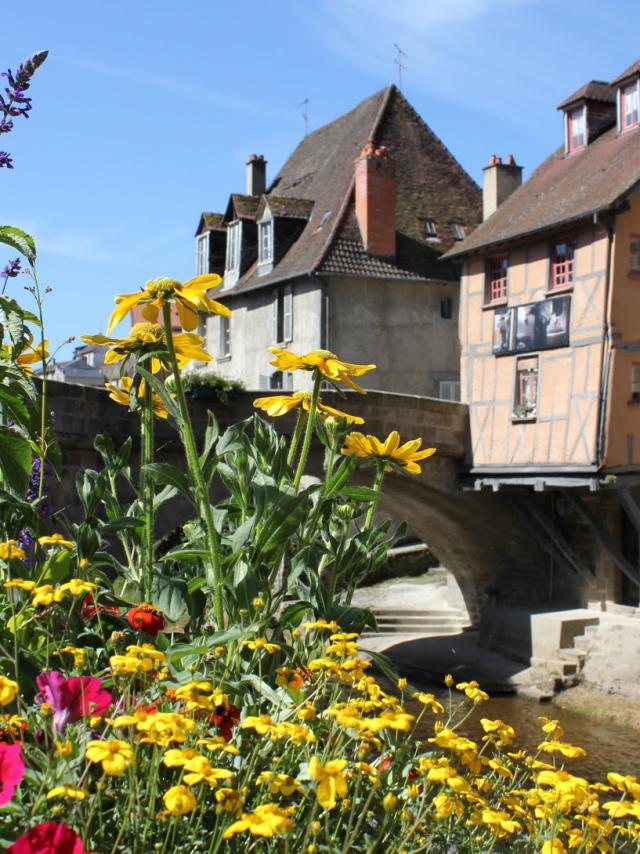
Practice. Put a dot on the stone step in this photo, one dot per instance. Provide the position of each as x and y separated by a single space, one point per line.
408 628
590 631
418 612
572 654
407 632
583 644
555 666
419 618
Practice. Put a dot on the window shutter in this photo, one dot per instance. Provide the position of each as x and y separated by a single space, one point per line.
288 313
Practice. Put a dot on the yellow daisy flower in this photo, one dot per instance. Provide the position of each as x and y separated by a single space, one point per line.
190 299
331 779
22 583
281 404
267 820
30 355
10 549
55 540
113 754
149 337
179 800
46 595
121 394
328 364
8 690
390 451
71 792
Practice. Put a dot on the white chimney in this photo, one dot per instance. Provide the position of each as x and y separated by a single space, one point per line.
256 175
500 180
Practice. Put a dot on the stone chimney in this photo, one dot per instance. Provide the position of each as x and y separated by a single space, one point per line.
376 199
500 180
256 175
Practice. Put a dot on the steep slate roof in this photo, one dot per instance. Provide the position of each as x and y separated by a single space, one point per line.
594 90
431 184
241 207
289 208
629 72
563 189
210 222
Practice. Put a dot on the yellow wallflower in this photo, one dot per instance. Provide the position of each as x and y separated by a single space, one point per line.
262 643
190 299
448 680
179 800
78 653
279 784
562 747
429 700
10 549
21 583
113 754
147 337
472 691
200 770
322 625
499 730
390 451
500 822
163 728
331 780
228 800
71 792
64 748
328 364
625 783
553 846
267 820
8 690
122 394
281 404
55 540
45 595
389 801
78 587
178 757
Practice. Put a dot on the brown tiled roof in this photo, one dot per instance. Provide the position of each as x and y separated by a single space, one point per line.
348 258
431 185
594 90
629 72
210 222
290 208
241 207
563 190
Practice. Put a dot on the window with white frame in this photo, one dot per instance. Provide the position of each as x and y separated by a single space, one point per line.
202 255
457 230
233 246
283 315
224 337
576 129
266 241
430 230
629 106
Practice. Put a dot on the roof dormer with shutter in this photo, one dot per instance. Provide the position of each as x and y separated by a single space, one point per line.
589 112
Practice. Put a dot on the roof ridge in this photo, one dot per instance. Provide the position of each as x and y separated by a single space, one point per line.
387 93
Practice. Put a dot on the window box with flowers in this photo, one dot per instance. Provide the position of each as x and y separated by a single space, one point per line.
525 404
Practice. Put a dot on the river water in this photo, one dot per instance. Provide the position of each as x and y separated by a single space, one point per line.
609 747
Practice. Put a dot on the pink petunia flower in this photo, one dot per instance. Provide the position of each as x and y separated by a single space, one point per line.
11 770
71 698
50 837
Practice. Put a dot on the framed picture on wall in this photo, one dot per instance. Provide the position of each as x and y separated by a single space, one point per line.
503 331
543 325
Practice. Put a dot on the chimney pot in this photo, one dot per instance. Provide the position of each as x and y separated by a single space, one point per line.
256 175
499 181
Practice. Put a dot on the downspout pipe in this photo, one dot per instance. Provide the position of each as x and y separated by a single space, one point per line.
606 345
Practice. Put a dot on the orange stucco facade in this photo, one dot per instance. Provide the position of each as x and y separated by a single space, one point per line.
583 418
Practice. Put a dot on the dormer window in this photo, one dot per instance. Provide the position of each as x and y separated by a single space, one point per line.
265 241
202 254
233 247
576 129
629 106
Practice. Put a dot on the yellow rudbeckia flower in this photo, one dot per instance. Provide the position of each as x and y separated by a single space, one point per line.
122 394
30 355
190 299
328 364
10 549
113 754
390 451
331 779
281 404
267 820
55 540
146 338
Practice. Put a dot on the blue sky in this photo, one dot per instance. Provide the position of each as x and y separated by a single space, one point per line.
145 112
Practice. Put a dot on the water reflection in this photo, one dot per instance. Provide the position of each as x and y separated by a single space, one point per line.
609 747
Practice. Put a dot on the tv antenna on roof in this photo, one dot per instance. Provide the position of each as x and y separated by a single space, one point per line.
305 114
399 62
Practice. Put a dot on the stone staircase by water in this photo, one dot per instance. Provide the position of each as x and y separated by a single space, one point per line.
418 622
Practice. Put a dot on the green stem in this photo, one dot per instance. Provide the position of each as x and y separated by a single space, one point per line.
146 489
42 447
311 418
296 437
186 429
377 487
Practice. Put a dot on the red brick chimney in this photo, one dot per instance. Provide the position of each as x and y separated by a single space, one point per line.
376 199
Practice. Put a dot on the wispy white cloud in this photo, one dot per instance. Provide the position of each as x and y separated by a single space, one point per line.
177 86
78 247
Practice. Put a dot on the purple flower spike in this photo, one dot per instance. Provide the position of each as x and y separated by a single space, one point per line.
5 160
12 269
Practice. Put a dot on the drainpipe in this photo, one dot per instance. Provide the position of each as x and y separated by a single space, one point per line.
606 344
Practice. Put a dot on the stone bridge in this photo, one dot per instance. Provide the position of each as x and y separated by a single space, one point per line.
475 535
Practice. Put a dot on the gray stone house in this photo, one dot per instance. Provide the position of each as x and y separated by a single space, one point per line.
341 252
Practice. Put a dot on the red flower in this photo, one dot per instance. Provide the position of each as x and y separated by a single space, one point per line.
89 609
71 698
51 837
225 718
11 771
146 618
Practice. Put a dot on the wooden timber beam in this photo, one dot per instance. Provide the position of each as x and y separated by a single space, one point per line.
550 538
611 547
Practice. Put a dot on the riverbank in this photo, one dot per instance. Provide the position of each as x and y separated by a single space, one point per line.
596 705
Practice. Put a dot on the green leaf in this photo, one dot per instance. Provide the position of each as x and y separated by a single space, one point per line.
340 476
360 493
294 613
122 524
15 460
190 556
56 568
210 437
169 403
262 688
19 240
281 514
165 474
170 595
